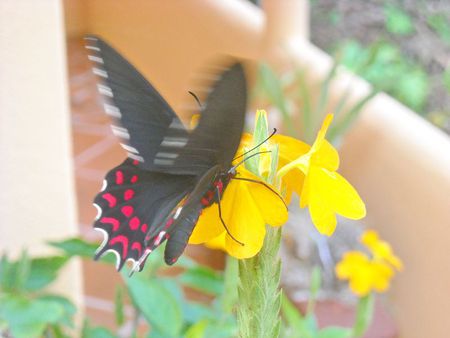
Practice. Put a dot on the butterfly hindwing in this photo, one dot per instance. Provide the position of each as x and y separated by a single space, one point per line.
133 208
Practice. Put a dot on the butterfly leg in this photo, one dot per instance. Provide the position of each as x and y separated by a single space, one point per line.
262 183
219 197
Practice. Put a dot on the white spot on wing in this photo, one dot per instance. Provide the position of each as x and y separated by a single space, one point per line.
174 141
99 211
112 110
120 132
158 161
167 155
100 72
129 148
95 59
104 185
177 213
92 48
105 90
176 124
159 238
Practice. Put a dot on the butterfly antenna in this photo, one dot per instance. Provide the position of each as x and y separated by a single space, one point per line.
196 99
261 143
247 158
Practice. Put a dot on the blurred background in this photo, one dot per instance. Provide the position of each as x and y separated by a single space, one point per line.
383 68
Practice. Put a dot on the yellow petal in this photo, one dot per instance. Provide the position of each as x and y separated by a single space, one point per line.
208 226
322 214
322 133
246 224
270 204
293 182
289 148
326 157
218 242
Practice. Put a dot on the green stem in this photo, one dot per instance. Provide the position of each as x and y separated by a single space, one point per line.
364 314
259 294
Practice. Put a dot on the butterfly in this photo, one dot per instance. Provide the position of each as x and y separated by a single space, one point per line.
171 174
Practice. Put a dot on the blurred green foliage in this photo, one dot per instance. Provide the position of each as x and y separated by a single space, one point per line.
383 65
397 21
440 23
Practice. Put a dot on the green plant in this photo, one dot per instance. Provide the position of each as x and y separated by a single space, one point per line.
290 94
26 309
397 20
384 66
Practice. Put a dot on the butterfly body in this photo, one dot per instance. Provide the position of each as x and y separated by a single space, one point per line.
171 174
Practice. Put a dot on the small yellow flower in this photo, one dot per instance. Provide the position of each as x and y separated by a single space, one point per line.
380 249
366 274
323 190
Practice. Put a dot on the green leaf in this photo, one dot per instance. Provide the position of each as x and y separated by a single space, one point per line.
67 305
118 306
316 280
397 21
197 330
75 247
334 332
29 318
43 271
293 317
95 332
441 25
203 279
159 307
413 88
364 315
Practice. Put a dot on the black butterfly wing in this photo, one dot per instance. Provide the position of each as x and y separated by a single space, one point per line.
133 209
217 136
149 129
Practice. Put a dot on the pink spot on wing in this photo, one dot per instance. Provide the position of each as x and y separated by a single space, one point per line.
144 228
111 199
109 220
135 162
119 177
134 179
137 246
128 194
169 223
134 223
127 210
122 240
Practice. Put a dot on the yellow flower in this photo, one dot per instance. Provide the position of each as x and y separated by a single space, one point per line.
323 190
246 206
366 274
246 209
380 249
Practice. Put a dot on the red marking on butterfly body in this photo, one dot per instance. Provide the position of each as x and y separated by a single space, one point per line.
122 240
134 179
127 210
128 194
134 223
144 228
109 220
111 199
137 246
119 177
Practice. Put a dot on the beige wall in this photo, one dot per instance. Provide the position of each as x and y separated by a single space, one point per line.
37 194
